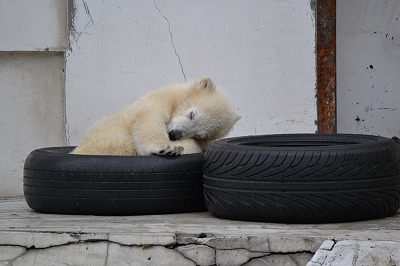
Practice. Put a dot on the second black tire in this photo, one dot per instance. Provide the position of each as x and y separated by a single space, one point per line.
303 178
58 182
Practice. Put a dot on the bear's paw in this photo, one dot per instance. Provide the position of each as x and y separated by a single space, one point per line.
168 149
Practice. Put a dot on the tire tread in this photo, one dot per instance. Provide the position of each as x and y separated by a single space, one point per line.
365 178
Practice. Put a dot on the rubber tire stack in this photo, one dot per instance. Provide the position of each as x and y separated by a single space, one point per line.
303 178
58 182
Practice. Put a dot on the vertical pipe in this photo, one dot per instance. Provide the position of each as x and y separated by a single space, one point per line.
326 65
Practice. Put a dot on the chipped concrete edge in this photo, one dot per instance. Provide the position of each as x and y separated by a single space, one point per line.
79 248
203 249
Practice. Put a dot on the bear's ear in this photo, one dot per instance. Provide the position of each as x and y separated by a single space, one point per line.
207 84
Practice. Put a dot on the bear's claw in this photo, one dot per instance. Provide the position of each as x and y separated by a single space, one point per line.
169 150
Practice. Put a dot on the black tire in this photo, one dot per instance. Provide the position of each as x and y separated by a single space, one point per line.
302 178
58 182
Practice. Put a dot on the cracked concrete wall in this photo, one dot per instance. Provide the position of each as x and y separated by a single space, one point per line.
94 250
368 67
260 52
99 249
108 253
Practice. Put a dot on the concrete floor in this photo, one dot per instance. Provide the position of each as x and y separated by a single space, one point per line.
30 238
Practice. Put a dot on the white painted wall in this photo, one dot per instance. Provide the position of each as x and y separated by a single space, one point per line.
31 112
368 67
39 25
32 83
261 52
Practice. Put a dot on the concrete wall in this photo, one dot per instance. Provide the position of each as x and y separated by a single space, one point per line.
32 83
27 25
261 52
32 112
368 67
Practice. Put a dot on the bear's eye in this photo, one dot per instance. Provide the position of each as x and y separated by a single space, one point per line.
191 115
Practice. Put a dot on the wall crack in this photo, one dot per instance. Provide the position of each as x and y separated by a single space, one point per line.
252 257
85 5
172 39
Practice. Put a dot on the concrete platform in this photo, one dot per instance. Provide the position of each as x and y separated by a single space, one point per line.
30 238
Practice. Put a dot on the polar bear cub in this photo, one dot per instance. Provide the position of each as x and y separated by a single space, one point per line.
172 121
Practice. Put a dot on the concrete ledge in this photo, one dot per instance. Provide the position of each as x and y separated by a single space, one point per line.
30 238
352 252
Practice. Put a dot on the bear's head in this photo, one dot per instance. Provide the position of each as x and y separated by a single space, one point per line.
205 114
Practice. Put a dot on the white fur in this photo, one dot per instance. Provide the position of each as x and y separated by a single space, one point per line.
142 128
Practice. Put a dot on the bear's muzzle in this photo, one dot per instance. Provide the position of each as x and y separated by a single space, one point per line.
175 134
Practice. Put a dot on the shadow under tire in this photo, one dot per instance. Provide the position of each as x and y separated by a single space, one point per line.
302 178
58 182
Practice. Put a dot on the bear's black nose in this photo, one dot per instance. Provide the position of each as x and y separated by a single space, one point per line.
175 134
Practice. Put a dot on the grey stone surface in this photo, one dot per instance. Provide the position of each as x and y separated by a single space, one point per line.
235 257
156 255
17 218
327 245
264 243
9 253
281 260
359 253
30 238
35 239
100 253
202 255
143 239
74 254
